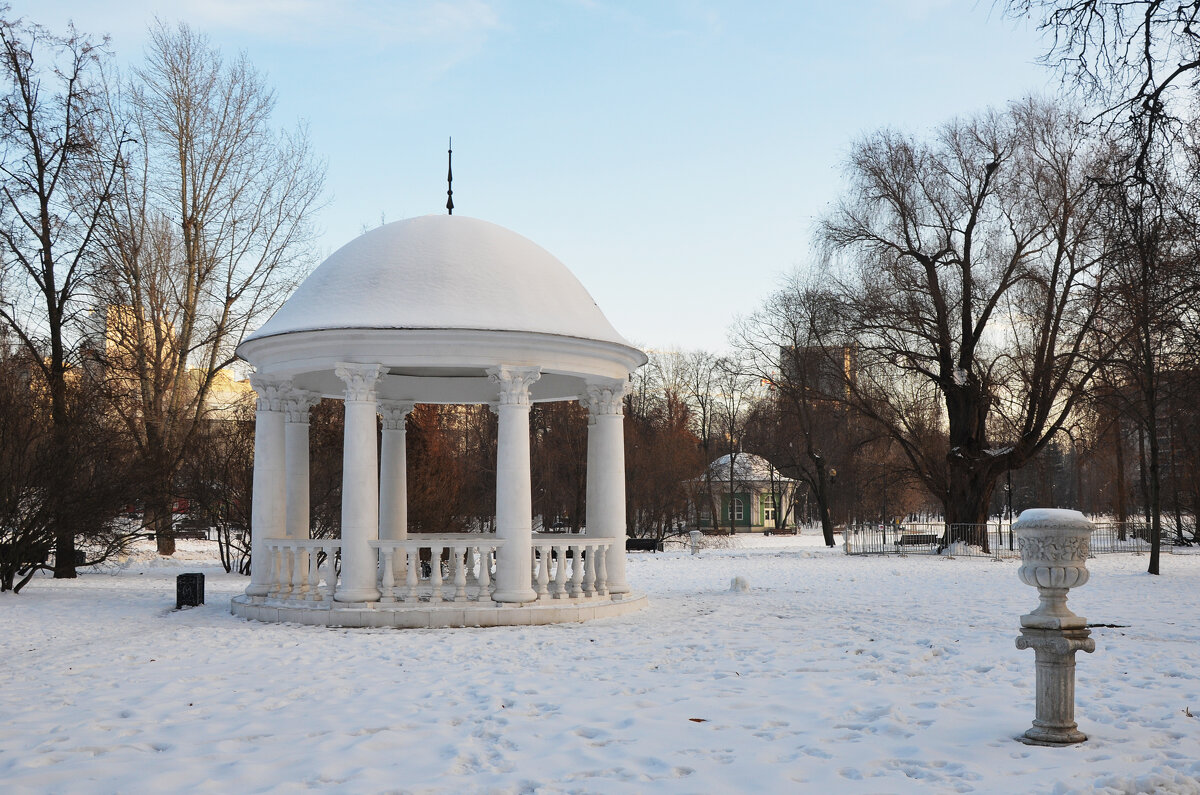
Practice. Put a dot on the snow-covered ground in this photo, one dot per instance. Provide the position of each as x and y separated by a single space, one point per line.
830 675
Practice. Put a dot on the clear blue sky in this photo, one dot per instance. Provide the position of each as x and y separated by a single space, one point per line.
673 154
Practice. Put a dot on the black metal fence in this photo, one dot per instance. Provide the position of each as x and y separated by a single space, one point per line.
991 540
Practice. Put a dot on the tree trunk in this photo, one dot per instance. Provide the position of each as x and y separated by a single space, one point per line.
62 483
821 492
968 495
1155 496
1142 473
1119 505
158 520
1176 513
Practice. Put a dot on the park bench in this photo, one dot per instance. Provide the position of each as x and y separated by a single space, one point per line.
917 540
25 553
34 554
192 527
643 545
781 531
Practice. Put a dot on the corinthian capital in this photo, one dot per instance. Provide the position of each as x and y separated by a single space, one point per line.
272 391
514 383
297 402
394 412
606 397
359 380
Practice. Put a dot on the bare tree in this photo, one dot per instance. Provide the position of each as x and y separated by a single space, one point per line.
1138 61
558 451
699 375
30 463
1152 286
735 393
437 465
662 453
815 428
209 228
55 184
973 268
218 477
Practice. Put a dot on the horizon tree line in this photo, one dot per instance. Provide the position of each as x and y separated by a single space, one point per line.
1011 293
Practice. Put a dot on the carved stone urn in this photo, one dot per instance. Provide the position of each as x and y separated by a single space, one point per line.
1054 550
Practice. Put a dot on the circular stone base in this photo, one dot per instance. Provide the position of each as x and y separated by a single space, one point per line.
407 615
1052 740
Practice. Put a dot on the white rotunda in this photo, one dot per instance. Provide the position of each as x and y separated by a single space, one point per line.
436 309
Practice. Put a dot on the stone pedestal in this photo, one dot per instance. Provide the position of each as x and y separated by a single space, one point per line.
1054 549
1054 649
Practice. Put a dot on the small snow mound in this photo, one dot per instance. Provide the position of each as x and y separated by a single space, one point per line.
739 584
963 549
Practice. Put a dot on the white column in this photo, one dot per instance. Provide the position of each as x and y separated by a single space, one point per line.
589 488
360 484
514 510
393 477
268 512
296 406
606 485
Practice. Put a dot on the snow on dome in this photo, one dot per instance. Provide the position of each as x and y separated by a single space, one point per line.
747 468
442 272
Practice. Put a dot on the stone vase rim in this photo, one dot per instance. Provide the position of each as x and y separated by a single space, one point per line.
1060 521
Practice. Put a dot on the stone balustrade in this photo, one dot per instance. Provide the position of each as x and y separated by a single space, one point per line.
439 568
293 572
569 567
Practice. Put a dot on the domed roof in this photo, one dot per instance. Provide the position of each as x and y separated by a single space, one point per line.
442 272
747 468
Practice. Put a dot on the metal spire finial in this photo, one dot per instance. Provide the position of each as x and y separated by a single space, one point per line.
450 178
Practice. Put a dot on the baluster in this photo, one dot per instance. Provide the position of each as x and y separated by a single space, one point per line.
435 573
543 573
411 579
576 570
295 572
460 574
276 571
398 566
300 591
271 577
314 581
485 574
589 571
472 559
270 552
560 571
602 570
331 575
293 565
389 575
281 572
